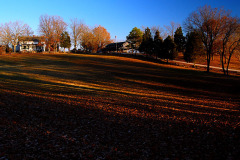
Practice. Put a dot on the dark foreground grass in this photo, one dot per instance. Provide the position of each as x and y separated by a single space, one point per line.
59 106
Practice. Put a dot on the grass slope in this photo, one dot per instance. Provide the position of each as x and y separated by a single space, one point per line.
59 106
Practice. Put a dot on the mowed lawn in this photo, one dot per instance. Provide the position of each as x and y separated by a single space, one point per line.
78 106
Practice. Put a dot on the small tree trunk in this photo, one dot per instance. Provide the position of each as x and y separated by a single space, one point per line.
228 62
208 65
208 61
14 48
75 45
49 48
221 57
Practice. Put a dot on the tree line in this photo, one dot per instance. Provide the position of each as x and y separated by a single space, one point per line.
209 31
90 40
154 45
55 33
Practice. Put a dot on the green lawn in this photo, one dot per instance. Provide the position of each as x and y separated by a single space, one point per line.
65 106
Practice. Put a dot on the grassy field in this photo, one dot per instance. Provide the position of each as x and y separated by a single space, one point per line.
60 106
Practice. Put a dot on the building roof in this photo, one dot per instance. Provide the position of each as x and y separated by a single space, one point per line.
120 44
31 38
114 46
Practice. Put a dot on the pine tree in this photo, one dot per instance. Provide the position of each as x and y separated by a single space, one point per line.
65 41
147 43
169 49
194 47
179 40
158 44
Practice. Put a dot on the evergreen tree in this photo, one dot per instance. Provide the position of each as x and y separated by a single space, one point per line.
194 47
179 40
147 43
169 49
135 38
65 41
158 44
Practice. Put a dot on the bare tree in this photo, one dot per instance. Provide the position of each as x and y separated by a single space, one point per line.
229 42
77 28
51 27
46 29
12 31
82 29
209 22
59 26
5 34
161 31
28 30
88 40
172 28
18 29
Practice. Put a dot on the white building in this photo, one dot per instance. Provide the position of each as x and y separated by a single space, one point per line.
31 44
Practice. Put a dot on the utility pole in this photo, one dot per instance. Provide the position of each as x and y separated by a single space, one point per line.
116 43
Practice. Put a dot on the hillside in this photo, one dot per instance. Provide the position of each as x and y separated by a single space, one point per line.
60 106
215 62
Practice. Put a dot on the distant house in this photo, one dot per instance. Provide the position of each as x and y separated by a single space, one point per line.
119 46
31 44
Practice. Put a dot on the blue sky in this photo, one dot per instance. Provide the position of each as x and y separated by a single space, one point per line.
117 16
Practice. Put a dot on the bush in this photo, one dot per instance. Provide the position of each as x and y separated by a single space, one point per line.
2 49
8 49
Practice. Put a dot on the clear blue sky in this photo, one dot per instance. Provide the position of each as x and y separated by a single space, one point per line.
117 16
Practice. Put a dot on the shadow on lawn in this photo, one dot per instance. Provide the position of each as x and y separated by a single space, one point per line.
90 107
75 71
51 129
100 74
151 89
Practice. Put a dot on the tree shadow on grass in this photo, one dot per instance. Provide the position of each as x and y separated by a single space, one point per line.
51 129
99 71
143 97
102 108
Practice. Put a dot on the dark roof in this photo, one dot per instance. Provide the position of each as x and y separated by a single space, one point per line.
119 44
112 46
30 38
